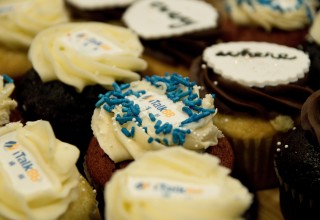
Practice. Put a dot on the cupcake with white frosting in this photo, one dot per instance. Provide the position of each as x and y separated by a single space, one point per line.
282 22
175 184
72 64
39 177
20 21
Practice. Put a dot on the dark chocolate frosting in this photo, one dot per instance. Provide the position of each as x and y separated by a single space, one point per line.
310 115
181 49
234 97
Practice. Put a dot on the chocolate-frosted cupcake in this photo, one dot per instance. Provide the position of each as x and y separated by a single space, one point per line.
97 10
149 115
312 47
260 88
72 64
173 31
281 22
297 161
175 184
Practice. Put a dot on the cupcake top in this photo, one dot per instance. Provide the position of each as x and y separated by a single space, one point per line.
315 29
96 4
280 14
38 172
153 114
6 102
155 19
255 77
87 53
175 184
21 20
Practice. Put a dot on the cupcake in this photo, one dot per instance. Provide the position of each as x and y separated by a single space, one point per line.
102 10
71 65
39 176
173 31
297 162
260 88
178 184
20 21
8 106
282 22
149 115
312 47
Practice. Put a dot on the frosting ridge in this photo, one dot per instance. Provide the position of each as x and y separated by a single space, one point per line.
315 29
87 53
166 185
48 182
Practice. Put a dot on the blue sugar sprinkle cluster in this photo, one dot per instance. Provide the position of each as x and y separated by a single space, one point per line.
7 79
177 88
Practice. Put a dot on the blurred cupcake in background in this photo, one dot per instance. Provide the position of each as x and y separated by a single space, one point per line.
97 10
259 91
297 163
20 21
173 31
282 22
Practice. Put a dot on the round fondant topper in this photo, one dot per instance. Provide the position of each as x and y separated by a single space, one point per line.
153 19
257 64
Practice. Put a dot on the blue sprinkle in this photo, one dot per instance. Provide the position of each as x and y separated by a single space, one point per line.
132 131
158 123
145 129
124 86
187 110
126 132
151 116
107 108
150 140
165 141
7 79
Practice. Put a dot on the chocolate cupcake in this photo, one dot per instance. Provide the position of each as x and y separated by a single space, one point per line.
173 31
150 115
93 10
297 161
281 22
260 88
72 64
175 184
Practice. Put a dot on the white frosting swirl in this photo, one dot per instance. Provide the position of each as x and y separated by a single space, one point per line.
119 147
21 20
87 53
281 14
6 102
315 29
175 184
98 4
39 178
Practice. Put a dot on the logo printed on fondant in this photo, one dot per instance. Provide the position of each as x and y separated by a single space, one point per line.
257 64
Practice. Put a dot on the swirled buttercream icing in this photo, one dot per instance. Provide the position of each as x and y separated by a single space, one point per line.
6 102
87 53
153 114
21 20
315 29
281 14
310 120
39 178
257 78
175 184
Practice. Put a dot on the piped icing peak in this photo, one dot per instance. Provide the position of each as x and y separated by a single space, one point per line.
98 4
257 64
152 114
21 20
175 184
6 102
281 14
156 19
87 53
39 178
